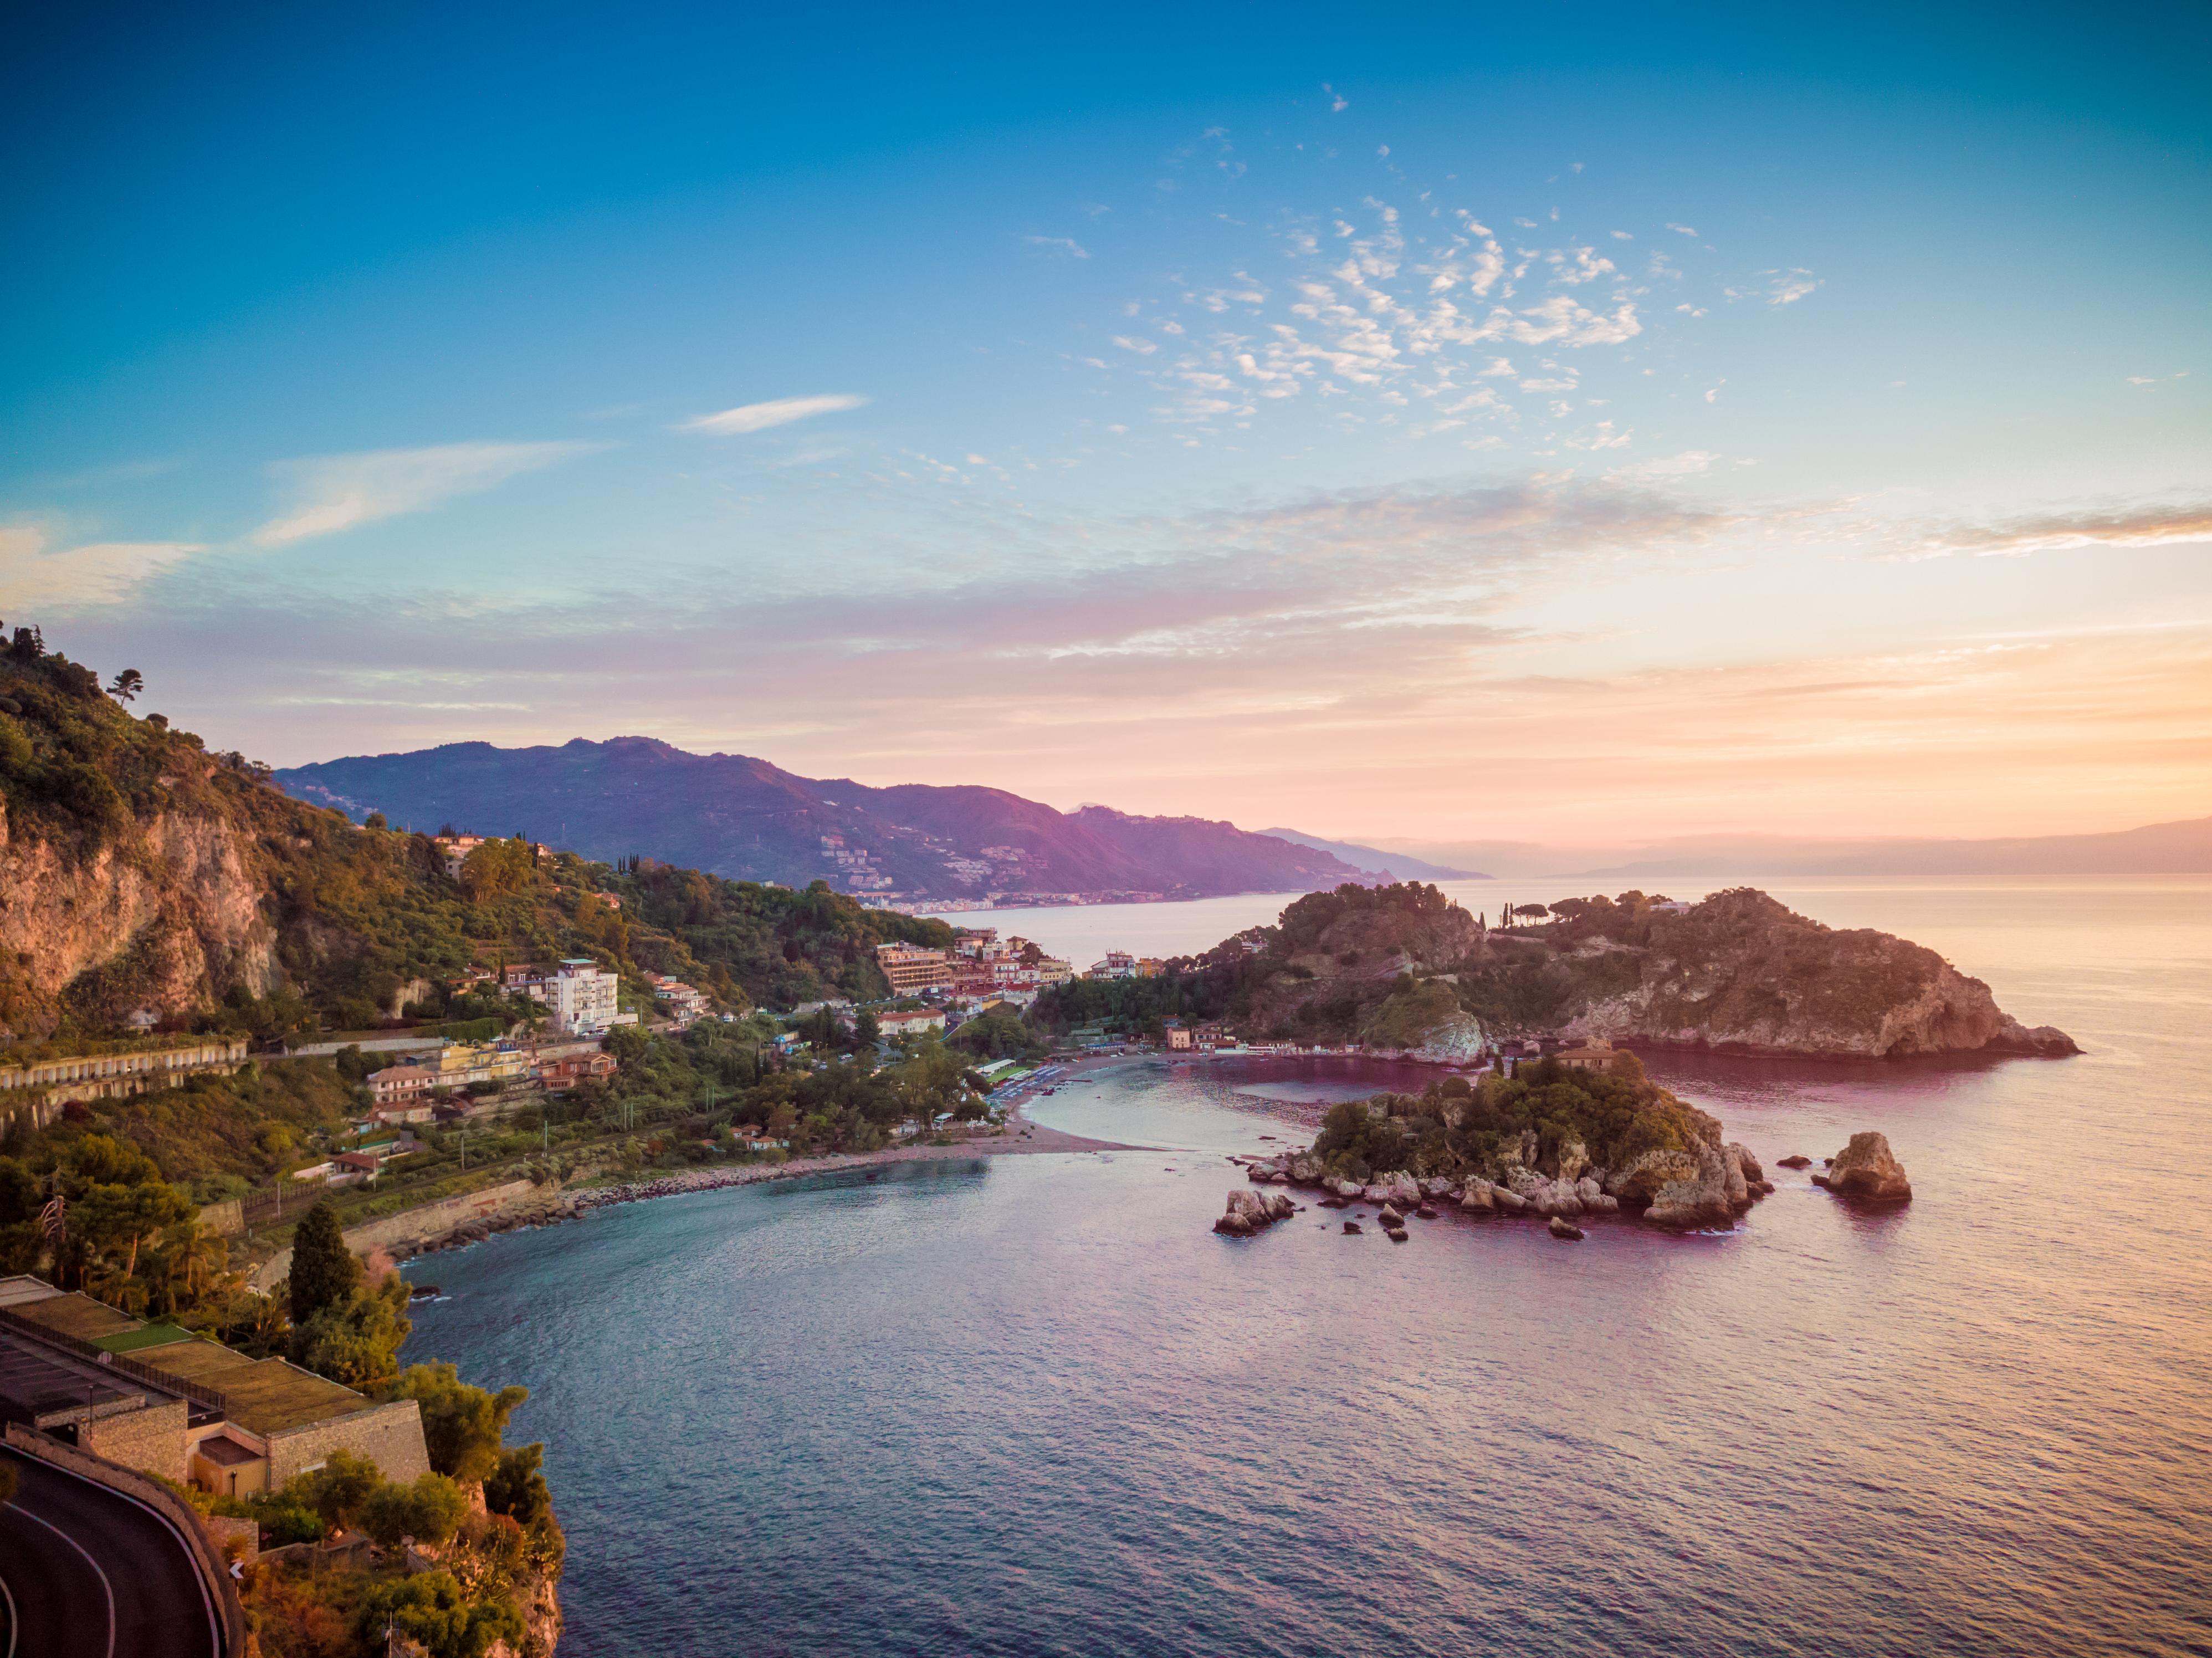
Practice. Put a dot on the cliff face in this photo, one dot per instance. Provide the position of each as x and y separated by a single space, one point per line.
1740 972
169 919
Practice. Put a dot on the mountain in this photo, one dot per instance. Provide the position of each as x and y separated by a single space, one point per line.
749 820
2184 848
142 874
1390 865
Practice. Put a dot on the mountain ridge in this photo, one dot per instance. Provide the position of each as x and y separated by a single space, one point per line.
744 817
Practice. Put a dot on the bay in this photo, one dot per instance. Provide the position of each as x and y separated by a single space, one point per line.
1033 1404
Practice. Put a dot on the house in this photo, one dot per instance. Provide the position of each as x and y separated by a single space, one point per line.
909 1022
1118 964
1596 1054
683 1003
582 995
561 1074
1180 1035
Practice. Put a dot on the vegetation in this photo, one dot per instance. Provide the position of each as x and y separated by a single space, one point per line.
1546 1115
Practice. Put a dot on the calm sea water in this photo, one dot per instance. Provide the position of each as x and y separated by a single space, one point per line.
1032 1404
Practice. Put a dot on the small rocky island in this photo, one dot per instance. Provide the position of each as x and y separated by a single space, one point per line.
1555 1143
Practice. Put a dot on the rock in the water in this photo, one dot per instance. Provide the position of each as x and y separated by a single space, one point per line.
1564 1228
1353 1226
1794 1161
1752 1174
1425 1212
1601 1205
1350 1190
2045 1041
1397 1234
1436 1185
1248 1211
1509 1202
1331 1201
1867 1170
1477 1198
1391 1216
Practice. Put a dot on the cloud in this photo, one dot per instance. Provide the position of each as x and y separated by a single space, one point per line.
1681 229
2129 527
1785 288
1067 245
1681 465
338 492
780 411
1338 104
73 578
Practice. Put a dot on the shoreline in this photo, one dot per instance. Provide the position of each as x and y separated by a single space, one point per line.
1022 1138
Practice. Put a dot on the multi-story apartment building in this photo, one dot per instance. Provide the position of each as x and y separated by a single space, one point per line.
912 969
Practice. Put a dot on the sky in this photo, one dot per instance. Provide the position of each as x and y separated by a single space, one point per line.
1536 423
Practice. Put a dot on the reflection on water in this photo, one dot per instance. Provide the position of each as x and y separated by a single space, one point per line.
1032 1404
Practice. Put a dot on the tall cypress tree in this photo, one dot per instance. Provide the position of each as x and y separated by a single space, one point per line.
323 1272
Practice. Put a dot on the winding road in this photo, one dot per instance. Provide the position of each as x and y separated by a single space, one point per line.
86 1573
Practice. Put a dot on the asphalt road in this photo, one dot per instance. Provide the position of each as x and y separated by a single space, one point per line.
92 1575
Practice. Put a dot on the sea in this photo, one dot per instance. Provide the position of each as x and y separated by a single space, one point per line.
1034 1405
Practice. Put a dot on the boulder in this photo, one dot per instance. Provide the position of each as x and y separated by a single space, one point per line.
1600 1204
1391 1216
1350 1190
1586 1188
1305 1168
1794 1161
1332 1201
1752 1174
1563 1227
1477 1198
1436 1185
1397 1234
1248 1211
1574 1158
1712 1194
1353 1226
1397 1188
1509 1202
1867 1171
1425 1212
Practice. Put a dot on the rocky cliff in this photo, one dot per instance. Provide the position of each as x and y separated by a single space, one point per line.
1740 973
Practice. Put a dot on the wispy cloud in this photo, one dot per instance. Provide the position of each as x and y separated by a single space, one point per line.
330 492
33 573
780 411
1067 245
2135 526
1781 287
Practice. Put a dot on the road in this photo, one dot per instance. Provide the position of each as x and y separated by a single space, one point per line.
92 1575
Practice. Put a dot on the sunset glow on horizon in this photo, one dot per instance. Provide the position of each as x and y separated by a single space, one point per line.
1449 433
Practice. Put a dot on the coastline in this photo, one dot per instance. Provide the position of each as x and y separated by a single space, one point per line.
1020 1138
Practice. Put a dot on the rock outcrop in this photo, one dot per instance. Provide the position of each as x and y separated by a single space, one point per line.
1248 1211
1867 1171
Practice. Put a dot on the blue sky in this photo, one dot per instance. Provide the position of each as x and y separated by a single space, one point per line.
1732 421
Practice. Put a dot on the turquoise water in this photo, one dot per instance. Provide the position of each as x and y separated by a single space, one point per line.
1031 1404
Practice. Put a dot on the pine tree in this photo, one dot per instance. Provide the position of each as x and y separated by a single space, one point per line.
323 1272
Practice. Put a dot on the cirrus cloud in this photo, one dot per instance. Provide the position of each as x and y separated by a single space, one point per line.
778 411
332 493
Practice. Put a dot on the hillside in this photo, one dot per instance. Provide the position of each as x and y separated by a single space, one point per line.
747 819
1404 967
139 871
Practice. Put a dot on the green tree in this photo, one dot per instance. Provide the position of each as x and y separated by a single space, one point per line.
339 1489
324 1271
517 1489
127 685
429 1510
430 1608
461 1424
357 1342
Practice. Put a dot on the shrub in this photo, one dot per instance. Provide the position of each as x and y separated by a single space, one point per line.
429 1510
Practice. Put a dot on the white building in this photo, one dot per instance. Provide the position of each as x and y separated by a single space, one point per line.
581 997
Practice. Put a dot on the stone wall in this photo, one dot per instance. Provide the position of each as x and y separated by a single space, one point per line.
152 1439
389 1435
413 1226
226 1219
